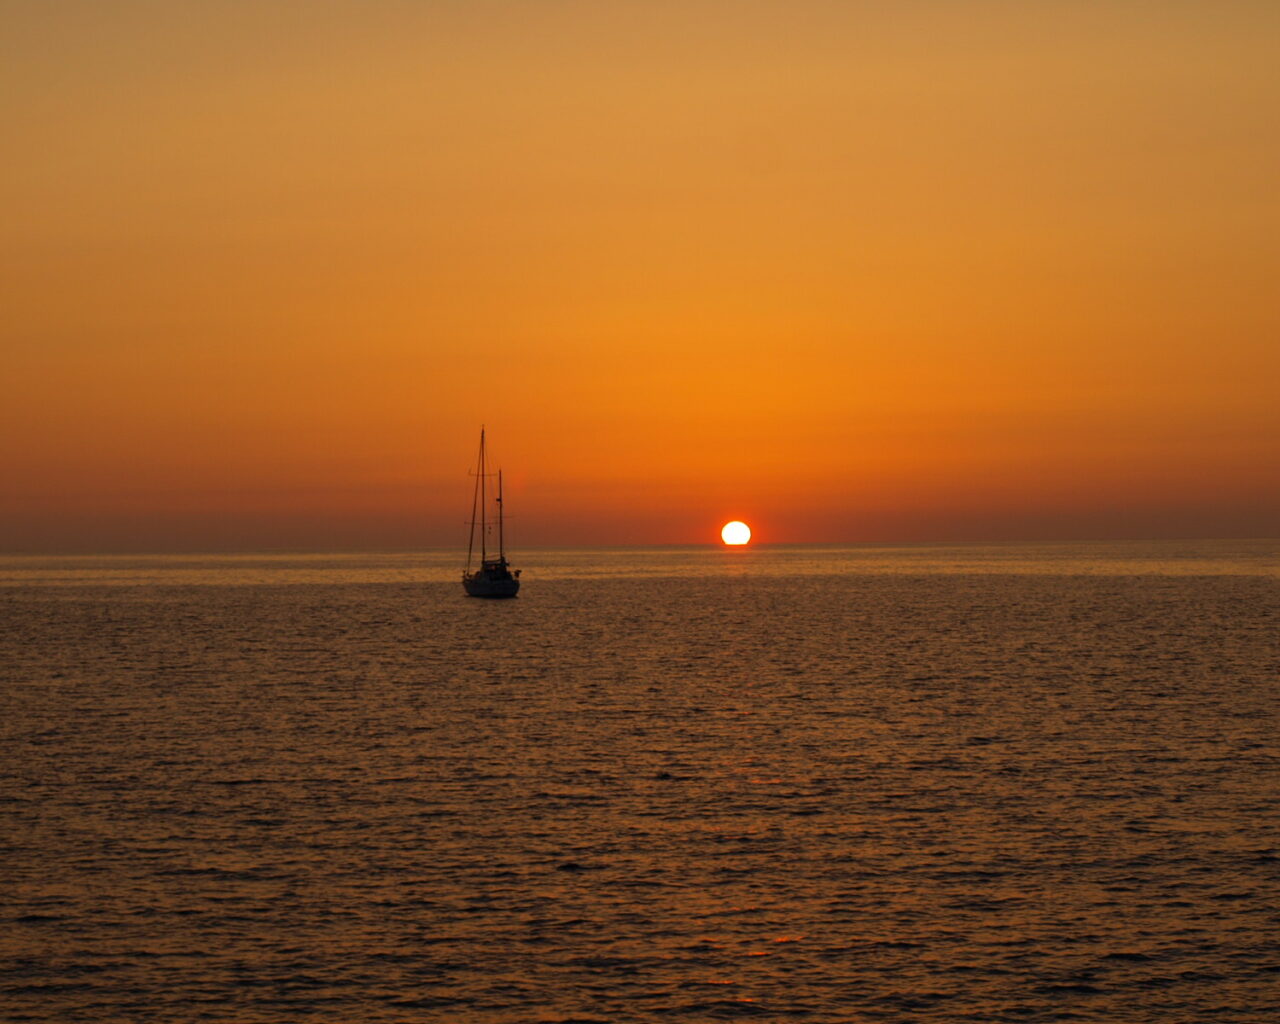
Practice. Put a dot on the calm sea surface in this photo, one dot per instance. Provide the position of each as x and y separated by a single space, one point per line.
982 783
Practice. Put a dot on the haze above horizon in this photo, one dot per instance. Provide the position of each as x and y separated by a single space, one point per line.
910 271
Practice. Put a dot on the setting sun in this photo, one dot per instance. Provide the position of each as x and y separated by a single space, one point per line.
735 533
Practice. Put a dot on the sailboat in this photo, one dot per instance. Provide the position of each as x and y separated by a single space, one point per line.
495 577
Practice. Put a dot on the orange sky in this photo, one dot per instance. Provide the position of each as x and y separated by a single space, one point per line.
849 271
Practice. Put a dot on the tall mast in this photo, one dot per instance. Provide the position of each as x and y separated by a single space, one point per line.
475 501
502 553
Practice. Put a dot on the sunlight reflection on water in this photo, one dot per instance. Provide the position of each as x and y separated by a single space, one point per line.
686 788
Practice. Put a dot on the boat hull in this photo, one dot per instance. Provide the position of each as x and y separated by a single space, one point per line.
478 585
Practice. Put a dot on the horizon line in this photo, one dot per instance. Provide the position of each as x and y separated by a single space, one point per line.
266 552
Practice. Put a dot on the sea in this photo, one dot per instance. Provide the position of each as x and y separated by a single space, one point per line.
817 784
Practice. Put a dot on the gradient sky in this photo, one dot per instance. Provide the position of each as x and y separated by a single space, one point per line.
848 271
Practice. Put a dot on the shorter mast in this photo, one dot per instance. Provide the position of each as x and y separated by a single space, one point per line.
484 527
502 552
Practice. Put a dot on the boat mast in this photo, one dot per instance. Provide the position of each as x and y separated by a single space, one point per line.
484 528
502 553
475 500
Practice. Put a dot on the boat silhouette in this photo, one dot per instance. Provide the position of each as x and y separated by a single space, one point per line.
495 577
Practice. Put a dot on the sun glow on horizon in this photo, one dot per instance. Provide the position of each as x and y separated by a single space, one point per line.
678 268
735 533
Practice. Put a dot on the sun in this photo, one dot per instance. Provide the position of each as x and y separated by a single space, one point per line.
735 533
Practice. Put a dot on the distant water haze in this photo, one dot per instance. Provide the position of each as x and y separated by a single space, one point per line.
1109 558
